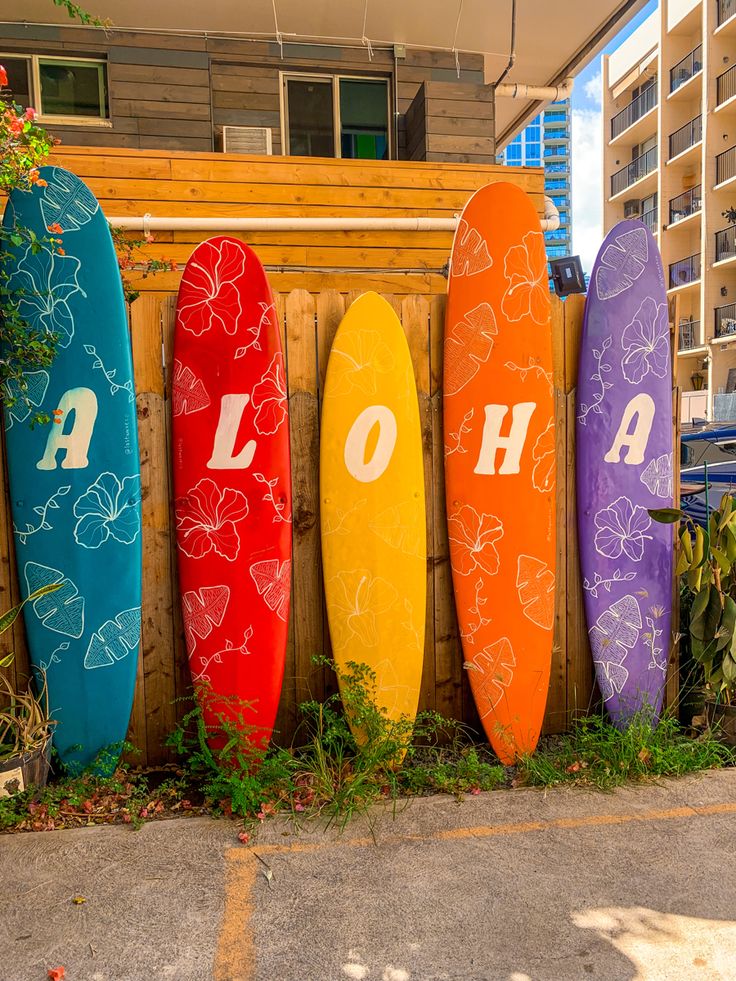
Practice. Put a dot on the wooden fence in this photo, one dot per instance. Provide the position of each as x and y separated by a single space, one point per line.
309 322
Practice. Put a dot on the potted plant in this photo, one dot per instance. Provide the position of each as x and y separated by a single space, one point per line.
25 726
706 563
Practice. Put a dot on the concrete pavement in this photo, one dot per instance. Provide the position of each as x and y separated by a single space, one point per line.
515 885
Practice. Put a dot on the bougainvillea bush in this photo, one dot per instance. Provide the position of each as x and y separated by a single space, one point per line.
25 346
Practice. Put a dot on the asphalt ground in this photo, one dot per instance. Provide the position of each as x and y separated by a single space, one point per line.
518 885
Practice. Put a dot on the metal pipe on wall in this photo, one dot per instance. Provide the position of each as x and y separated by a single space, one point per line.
148 223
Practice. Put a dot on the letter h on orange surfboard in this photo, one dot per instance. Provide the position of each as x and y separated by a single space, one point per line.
499 435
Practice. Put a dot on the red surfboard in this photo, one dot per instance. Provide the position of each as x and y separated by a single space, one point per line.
232 483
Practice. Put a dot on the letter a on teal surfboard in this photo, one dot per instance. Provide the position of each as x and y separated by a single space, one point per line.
75 481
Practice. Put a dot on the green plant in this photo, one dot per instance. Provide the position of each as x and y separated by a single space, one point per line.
597 754
706 563
25 338
224 760
25 724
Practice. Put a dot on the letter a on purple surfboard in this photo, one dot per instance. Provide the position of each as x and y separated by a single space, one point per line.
624 467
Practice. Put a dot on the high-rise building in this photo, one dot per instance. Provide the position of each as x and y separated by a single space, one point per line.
669 159
546 142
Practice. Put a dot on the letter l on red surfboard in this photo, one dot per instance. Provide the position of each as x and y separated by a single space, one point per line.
232 481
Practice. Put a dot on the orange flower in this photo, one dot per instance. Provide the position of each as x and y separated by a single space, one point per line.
55 228
41 183
60 251
57 974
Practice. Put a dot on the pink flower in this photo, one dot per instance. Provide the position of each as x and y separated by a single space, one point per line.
30 114
3 77
299 807
206 520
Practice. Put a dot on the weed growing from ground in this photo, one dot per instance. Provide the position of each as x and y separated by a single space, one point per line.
597 754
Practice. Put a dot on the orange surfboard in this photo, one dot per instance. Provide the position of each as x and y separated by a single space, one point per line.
499 435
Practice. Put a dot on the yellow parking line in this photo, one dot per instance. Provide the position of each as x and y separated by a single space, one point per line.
235 955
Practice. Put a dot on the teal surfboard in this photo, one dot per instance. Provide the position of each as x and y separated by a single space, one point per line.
75 482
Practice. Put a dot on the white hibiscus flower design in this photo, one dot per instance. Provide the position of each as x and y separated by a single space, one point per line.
46 282
525 267
621 527
108 509
646 341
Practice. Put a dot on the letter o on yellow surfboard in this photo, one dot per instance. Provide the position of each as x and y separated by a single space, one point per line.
374 548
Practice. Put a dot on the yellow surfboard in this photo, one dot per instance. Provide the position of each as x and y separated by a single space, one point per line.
374 548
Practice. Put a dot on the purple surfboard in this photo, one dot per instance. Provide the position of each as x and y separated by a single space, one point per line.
624 466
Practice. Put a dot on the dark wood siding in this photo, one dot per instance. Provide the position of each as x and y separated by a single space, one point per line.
169 91
451 121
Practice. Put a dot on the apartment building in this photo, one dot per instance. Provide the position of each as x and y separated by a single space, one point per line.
669 159
546 142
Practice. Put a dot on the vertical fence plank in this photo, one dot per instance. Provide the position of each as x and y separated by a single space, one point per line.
157 641
331 307
580 685
306 565
415 321
447 653
182 674
556 711
14 639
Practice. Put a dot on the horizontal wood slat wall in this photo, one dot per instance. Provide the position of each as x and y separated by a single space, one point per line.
212 185
309 322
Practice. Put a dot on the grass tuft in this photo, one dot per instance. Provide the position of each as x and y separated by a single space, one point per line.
597 754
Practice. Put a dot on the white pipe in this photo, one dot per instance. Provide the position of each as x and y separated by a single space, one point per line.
539 93
149 223
551 220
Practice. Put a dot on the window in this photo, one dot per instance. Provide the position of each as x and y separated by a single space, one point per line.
336 116
19 79
64 90
72 88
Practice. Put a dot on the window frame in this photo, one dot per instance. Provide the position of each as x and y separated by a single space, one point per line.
334 78
51 119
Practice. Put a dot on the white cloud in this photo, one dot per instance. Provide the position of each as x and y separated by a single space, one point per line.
593 90
587 171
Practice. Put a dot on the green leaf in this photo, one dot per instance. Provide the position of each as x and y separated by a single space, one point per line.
665 516
722 559
727 625
8 619
706 614
728 666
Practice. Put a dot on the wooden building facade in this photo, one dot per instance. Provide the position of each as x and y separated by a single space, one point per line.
179 92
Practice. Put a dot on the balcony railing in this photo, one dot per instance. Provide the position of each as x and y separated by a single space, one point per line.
637 108
726 165
726 86
684 70
726 9
725 320
685 271
556 168
726 243
555 117
686 136
686 204
650 219
639 167
558 184
688 334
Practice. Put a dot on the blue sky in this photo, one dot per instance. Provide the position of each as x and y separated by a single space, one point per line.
587 149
